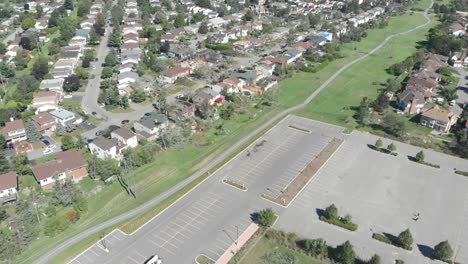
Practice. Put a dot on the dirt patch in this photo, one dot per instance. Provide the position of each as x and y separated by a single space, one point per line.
306 174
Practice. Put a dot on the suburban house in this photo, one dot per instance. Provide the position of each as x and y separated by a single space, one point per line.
65 117
127 77
104 148
44 122
411 101
152 126
52 85
61 72
125 137
457 29
44 101
172 74
439 120
8 187
14 131
67 165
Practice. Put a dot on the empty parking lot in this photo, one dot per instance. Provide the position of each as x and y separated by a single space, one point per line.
383 193
209 218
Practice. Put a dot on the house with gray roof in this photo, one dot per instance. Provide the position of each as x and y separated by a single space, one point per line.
151 127
52 85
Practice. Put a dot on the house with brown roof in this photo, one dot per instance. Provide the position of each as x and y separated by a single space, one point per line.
172 74
67 165
411 101
8 187
457 29
438 119
44 122
125 136
44 101
14 131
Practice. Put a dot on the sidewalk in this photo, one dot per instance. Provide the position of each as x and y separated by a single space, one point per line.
243 238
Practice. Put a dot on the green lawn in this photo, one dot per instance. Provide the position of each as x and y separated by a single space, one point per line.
334 104
294 90
266 246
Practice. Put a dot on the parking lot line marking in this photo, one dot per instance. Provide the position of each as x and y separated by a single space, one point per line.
174 237
195 216
130 258
188 230
92 250
175 230
120 239
139 254
214 253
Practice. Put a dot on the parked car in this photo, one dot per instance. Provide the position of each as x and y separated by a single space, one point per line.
68 96
49 149
100 133
148 114
125 121
154 260
452 103
93 113
179 96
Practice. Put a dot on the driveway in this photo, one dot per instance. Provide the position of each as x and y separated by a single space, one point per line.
37 153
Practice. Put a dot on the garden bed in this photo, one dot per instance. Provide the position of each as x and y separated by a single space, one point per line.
387 240
423 162
299 128
235 184
460 172
339 223
382 150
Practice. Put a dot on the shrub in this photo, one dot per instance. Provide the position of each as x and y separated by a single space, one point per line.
443 251
382 238
405 239
344 253
331 212
419 156
266 217
391 147
379 143
374 260
464 173
71 215
340 223
277 257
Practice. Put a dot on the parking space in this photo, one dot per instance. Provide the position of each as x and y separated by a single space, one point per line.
382 193
101 248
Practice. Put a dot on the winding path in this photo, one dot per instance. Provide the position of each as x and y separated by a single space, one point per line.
156 200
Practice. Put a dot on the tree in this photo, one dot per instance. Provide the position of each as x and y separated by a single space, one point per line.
344 253
54 47
420 156
4 164
331 212
67 142
362 113
68 4
138 96
71 84
3 48
179 20
394 124
40 68
28 42
60 130
379 143
28 23
391 147
382 102
93 37
392 85
111 59
99 25
405 239
374 260
124 102
64 193
449 93
3 144
443 251
32 133
249 15
82 73
106 73
203 29
266 217
226 111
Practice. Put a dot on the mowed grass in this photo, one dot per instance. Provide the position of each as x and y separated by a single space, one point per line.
296 89
169 168
265 246
334 104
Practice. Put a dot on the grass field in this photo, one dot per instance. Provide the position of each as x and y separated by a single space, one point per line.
362 79
265 246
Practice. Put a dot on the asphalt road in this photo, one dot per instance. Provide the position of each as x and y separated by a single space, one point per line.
462 92
156 200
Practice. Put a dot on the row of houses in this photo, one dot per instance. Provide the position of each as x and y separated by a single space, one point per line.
420 88
130 51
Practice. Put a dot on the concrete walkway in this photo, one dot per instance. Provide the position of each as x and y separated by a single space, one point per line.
243 238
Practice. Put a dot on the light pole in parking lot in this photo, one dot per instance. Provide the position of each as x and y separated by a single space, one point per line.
237 237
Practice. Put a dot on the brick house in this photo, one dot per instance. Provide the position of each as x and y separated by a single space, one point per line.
67 165
44 122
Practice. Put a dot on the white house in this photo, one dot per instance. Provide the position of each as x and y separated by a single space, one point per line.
8 186
125 136
63 117
104 148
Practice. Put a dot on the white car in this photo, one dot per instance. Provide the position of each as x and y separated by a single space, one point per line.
452 103
49 149
68 96
154 260
179 96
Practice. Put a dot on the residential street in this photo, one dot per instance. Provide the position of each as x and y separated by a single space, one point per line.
462 92
156 200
